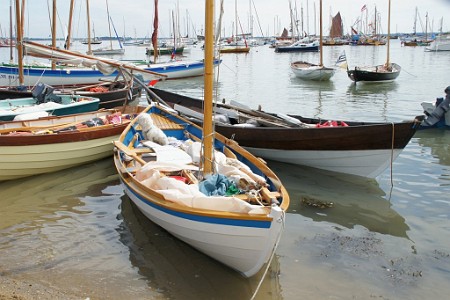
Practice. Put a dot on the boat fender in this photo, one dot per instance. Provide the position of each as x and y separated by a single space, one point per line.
98 89
332 124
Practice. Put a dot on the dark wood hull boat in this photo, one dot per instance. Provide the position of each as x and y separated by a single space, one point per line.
375 74
111 94
361 148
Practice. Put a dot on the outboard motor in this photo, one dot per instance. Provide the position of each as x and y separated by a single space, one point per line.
44 93
440 116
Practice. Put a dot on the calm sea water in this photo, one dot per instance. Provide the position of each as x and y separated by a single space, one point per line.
387 238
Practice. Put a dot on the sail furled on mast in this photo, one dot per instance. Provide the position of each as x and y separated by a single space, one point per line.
336 29
155 31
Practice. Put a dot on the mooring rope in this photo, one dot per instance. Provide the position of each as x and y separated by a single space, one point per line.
283 220
392 151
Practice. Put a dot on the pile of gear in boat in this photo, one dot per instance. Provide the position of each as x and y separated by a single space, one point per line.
172 169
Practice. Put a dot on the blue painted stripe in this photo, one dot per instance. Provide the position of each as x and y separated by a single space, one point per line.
200 218
55 73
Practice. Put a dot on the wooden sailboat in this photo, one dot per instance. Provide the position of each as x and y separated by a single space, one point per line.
359 148
309 71
336 35
415 40
53 143
380 73
235 46
176 189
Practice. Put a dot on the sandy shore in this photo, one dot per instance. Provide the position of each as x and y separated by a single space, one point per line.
11 288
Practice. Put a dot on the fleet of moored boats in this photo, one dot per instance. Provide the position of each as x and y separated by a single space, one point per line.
207 185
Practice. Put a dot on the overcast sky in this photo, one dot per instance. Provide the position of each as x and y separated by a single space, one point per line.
270 16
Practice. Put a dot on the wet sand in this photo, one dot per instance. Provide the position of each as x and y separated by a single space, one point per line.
17 289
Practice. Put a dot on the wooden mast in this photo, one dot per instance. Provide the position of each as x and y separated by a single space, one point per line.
22 17
389 33
155 33
69 30
89 52
19 42
209 85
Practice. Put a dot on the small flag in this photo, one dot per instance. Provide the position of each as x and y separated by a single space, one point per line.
363 8
172 56
342 60
153 82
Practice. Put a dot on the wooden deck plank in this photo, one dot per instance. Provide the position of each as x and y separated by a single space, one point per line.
164 123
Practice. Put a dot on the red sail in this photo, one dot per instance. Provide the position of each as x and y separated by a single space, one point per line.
155 31
336 26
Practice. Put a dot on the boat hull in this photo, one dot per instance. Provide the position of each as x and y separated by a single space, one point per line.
230 49
165 51
10 108
243 245
108 51
373 75
364 163
308 71
180 69
355 141
441 43
9 76
18 161
108 99
240 240
299 47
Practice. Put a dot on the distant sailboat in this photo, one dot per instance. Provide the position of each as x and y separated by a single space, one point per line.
235 46
309 71
335 37
110 50
380 73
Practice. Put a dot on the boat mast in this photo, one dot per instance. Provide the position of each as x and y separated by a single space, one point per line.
19 42
22 17
209 85
69 30
89 52
54 31
235 23
109 25
155 33
11 56
321 34
389 33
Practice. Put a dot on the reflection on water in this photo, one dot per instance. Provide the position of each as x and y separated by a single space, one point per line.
372 89
78 224
438 140
48 195
312 86
179 271
341 199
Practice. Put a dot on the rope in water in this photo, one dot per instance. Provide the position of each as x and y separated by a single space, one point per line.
283 220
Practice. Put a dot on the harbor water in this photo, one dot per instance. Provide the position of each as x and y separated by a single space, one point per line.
75 232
